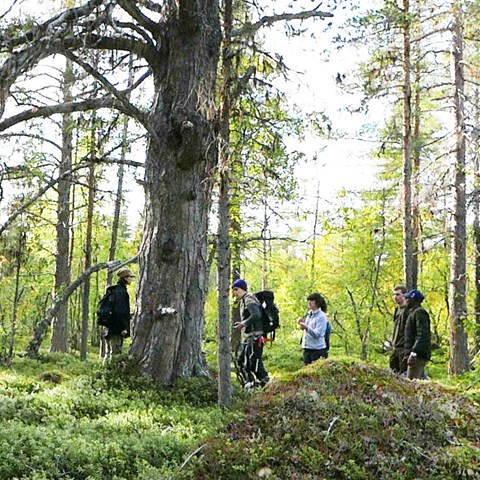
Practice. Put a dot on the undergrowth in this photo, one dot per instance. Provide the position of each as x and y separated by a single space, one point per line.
65 419
343 420
104 424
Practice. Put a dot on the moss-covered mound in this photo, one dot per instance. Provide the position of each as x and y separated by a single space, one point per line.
347 421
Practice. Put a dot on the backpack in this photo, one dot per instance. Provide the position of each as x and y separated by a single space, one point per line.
270 312
328 332
105 307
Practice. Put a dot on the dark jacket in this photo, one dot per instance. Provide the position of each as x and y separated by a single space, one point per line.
251 314
121 310
417 333
399 319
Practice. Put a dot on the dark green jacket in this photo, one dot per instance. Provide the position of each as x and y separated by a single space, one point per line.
417 334
399 319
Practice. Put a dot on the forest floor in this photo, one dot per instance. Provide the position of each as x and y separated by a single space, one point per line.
342 419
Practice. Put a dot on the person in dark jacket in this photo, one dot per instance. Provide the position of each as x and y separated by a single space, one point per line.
418 343
250 360
120 328
397 364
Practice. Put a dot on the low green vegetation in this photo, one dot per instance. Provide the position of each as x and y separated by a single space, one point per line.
65 419
61 420
346 420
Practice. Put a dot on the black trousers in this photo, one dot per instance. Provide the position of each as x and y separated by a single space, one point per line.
310 355
250 360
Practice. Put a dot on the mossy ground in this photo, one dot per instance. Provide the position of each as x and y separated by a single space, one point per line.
65 419
344 420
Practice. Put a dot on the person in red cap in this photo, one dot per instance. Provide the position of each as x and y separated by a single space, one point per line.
250 359
418 343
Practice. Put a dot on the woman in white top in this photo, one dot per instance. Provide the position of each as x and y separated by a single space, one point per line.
314 326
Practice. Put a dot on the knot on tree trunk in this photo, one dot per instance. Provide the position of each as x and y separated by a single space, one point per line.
187 128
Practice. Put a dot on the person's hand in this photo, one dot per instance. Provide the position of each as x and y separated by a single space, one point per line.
238 325
412 360
302 325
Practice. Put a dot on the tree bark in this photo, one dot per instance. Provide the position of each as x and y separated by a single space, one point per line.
169 320
459 356
408 230
59 340
223 249
88 261
476 229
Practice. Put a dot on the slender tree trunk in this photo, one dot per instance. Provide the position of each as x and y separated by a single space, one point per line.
16 299
476 228
459 356
408 231
265 249
223 250
118 205
87 264
169 320
120 174
59 341
314 242
416 151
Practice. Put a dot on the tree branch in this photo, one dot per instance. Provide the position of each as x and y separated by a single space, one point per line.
142 19
54 181
128 106
268 20
67 107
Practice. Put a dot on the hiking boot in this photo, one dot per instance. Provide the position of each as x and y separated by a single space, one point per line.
249 385
264 381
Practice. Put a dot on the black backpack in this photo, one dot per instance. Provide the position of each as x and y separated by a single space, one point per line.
270 312
105 307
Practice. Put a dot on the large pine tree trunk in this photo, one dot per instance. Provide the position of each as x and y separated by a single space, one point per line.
169 320
59 341
459 357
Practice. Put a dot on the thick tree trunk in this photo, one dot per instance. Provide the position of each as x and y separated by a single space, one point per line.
408 230
459 356
169 320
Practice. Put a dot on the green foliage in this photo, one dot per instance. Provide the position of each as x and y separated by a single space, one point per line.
66 423
347 421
